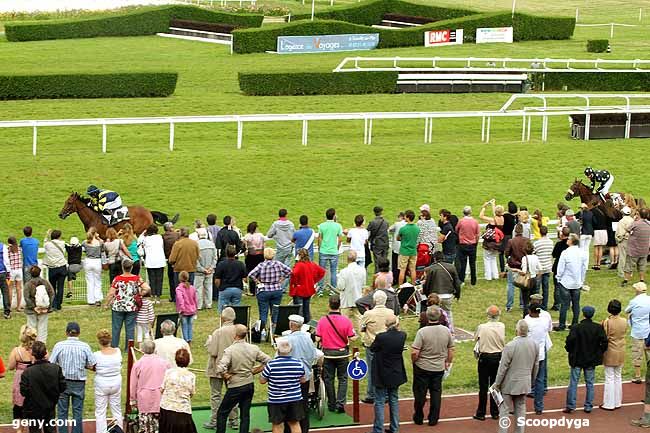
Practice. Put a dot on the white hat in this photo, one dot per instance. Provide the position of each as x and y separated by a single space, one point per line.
626 210
202 232
425 207
74 240
297 319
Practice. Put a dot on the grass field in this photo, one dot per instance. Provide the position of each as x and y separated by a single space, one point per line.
205 173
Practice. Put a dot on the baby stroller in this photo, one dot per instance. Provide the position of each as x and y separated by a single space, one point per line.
424 254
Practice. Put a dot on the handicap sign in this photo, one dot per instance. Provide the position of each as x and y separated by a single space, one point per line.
357 369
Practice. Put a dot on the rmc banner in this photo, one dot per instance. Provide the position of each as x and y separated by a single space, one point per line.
327 43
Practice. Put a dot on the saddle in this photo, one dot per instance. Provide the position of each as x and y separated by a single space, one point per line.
120 214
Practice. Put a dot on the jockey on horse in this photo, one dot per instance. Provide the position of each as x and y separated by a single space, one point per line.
602 177
105 202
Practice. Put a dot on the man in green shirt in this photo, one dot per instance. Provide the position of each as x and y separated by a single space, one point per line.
329 241
408 236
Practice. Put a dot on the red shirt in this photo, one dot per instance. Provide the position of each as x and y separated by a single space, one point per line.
303 278
468 231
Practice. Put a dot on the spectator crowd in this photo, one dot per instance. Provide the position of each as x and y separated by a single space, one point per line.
421 270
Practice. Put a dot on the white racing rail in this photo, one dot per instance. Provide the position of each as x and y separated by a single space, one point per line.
429 64
368 118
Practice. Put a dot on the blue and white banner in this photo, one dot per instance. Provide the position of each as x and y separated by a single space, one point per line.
327 43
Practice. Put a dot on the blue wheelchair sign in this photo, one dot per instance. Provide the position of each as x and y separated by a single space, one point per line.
357 369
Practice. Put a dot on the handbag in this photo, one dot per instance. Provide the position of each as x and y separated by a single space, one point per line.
525 281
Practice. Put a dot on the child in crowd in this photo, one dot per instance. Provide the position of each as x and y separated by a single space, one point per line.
74 251
145 318
186 304
15 276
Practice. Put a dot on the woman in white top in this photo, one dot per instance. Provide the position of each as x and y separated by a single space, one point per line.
115 249
92 264
108 381
151 245
529 264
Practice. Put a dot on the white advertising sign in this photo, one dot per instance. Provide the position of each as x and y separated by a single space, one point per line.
497 34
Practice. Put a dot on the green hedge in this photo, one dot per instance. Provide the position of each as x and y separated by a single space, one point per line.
526 28
318 83
144 21
127 85
597 45
594 81
372 12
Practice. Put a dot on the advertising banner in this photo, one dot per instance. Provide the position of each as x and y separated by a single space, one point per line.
437 38
327 43
496 34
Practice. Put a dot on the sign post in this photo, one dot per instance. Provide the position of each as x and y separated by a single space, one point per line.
357 370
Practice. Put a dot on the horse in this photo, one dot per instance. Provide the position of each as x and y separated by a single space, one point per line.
140 217
592 200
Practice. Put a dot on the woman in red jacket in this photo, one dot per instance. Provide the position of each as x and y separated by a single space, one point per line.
304 277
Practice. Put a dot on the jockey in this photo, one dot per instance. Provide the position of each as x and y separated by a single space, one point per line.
602 177
104 201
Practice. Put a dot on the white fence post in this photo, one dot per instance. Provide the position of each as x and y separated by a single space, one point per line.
611 31
305 131
577 15
430 130
640 14
240 133
487 134
103 136
34 139
171 136
587 126
628 123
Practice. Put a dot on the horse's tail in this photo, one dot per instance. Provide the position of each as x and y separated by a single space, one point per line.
162 218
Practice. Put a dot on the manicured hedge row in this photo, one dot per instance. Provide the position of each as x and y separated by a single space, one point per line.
597 45
408 19
318 83
526 28
135 85
372 12
203 26
145 21
594 81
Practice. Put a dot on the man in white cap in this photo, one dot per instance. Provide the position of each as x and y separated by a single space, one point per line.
302 348
204 269
622 235
638 311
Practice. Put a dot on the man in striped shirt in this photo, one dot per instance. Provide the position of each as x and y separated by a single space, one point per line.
284 374
543 249
74 357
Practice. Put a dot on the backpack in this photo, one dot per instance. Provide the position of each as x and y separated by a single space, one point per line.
42 297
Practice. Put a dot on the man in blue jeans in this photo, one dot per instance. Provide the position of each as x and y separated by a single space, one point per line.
586 344
329 241
571 272
74 357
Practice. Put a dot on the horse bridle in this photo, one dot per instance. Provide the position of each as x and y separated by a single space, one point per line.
571 192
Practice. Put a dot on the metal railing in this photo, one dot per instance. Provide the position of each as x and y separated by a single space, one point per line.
496 64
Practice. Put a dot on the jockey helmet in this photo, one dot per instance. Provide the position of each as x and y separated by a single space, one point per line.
92 189
589 171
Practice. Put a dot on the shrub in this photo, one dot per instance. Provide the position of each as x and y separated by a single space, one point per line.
526 28
144 21
203 26
594 81
597 45
126 85
317 83
372 12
